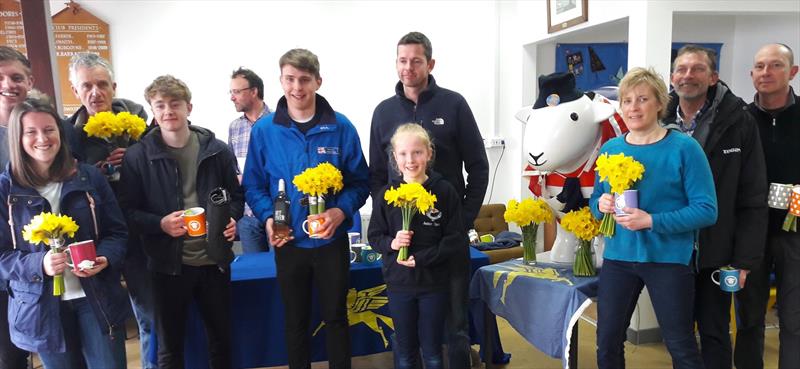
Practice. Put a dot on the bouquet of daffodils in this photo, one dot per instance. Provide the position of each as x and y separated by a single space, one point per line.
583 225
620 172
115 128
528 214
410 198
51 229
317 182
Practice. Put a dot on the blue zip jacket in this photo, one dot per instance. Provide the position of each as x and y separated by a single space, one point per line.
33 311
278 150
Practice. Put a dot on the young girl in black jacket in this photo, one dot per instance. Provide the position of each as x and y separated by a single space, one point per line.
417 287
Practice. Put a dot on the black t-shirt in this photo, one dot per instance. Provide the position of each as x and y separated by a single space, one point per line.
305 127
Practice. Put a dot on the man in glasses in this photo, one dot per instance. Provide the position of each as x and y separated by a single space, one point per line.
247 95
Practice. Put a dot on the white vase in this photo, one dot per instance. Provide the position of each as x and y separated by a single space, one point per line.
598 245
564 246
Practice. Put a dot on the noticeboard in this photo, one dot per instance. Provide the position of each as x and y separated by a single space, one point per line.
75 30
12 32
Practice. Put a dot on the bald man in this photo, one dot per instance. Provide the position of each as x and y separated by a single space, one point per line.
777 111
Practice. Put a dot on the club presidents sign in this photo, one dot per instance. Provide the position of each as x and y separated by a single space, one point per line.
75 30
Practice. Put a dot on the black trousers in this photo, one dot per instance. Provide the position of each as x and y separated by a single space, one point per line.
327 267
782 254
210 288
712 308
457 322
11 357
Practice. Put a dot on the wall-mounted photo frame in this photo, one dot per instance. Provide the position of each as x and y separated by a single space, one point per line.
562 14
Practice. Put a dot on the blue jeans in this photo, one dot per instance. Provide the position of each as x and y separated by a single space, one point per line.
140 291
671 288
88 344
252 234
418 323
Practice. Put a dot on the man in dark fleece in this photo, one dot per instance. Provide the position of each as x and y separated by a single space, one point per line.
459 146
777 112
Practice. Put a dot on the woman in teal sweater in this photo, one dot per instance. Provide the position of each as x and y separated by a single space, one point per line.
653 244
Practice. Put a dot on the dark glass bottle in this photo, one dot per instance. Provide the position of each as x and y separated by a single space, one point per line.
280 215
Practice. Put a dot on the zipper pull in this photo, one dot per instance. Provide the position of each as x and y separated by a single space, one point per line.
111 332
774 134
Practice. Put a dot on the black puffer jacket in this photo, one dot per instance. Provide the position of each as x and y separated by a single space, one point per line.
151 189
438 237
734 152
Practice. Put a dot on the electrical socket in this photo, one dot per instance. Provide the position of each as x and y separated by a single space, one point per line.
493 142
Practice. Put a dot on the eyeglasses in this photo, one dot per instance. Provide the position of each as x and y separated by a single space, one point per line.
238 91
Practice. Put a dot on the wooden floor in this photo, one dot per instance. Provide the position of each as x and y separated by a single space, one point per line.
525 356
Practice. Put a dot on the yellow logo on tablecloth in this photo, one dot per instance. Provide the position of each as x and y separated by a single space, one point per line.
519 270
360 306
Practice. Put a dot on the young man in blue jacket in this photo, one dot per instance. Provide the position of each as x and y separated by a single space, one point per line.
459 146
173 168
303 132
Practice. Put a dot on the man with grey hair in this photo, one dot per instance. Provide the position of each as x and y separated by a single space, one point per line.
703 107
777 112
92 80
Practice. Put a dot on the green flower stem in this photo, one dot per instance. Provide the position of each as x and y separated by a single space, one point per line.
529 243
790 223
320 204
58 279
583 266
408 212
607 225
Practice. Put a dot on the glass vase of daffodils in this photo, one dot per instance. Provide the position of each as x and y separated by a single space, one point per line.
621 172
317 182
528 214
51 230
583 225
411 198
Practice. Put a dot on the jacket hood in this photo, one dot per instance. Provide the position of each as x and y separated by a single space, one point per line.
79 118
433 179
716 95
154 145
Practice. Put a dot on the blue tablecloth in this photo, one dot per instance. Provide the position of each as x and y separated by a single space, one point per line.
257 315
541 302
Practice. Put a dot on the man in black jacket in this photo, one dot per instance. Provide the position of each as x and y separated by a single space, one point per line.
777 112
175 167
92 80
704 107
458 146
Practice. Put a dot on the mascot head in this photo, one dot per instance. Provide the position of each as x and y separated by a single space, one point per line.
563 126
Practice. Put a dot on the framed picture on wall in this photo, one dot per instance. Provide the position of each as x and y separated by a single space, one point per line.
562 14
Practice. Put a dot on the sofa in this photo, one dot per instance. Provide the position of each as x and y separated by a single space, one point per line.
490 221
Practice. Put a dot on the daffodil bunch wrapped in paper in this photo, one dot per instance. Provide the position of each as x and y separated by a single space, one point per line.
411 198
51 230
621 172
528 214
317 182
583 225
